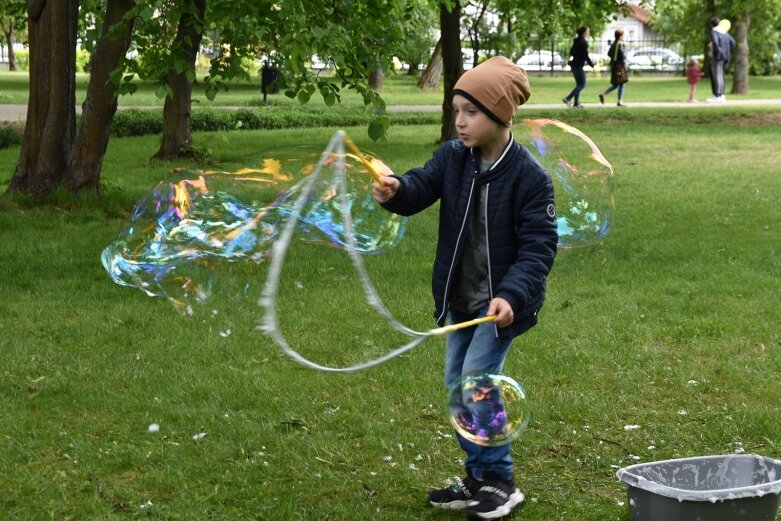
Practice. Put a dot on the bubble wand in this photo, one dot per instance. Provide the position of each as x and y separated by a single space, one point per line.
268 300
356 151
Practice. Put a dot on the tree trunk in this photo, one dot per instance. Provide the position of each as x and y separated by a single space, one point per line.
11 53
710 12
740 69
430 77
177 136
51 108
8 31
377 80
452 63
474 33
100 104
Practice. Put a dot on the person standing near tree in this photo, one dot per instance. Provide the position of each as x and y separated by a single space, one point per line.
578 59
721 45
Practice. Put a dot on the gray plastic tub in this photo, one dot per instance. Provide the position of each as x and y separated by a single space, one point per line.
708 488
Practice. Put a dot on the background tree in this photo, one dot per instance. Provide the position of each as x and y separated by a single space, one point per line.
419 39
51 112
430 77
177 137
452 62
100 104
166 36
12 19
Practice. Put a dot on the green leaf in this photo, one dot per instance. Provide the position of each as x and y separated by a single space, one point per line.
190 75
303 97
162 91
377 130
211 92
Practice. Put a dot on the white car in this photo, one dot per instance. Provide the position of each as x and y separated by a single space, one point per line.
653 59
541 60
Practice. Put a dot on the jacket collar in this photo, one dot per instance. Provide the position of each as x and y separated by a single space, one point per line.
497 167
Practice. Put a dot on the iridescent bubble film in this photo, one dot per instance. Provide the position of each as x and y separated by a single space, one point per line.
488 409
582 179
204 233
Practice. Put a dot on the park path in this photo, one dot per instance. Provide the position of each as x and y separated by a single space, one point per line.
9 113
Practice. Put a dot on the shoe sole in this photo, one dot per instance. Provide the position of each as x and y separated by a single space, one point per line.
450 505
516 499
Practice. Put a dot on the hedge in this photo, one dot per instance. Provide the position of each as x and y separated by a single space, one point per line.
138 122
135 122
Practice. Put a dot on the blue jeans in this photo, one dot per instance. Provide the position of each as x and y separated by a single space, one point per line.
620 88
477 349
580 84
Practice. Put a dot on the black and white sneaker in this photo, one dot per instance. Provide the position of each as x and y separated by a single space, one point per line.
455 495
495 498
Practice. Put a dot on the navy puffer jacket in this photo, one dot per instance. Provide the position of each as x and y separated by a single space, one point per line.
520 220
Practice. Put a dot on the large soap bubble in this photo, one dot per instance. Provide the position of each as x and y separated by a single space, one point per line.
205 233
488 409
582 179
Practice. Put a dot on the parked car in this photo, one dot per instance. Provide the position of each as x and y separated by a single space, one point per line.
654 59
541 60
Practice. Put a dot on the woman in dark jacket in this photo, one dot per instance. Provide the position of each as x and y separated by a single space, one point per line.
579 59
617 60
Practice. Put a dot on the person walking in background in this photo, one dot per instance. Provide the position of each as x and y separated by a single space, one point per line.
693 75
721 45
618 75
578 60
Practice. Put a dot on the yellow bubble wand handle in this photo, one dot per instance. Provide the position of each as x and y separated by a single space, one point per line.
373 171
461 325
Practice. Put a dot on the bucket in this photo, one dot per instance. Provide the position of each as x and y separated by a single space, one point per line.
707 488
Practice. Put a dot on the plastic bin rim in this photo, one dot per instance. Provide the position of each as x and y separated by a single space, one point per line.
626 476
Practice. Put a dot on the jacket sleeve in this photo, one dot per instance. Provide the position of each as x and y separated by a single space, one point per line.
537 234
419 188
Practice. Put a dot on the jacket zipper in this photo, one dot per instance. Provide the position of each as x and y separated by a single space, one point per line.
488 253
455 251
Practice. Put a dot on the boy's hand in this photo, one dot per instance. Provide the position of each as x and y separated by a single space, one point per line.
385 192
503 311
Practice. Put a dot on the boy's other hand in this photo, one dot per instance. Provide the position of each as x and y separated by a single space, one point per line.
385 192
503 311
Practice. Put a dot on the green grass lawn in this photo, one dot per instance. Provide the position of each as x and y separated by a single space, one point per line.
402 90
671 323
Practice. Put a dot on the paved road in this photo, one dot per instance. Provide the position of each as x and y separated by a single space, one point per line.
19 112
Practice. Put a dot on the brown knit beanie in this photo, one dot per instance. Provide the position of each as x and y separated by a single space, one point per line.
497 87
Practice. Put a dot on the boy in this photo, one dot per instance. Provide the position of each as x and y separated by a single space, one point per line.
497 241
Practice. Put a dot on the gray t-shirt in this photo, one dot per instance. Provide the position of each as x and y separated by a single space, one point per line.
471 291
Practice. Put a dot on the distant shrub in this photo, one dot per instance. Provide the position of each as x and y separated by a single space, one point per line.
10 136
142 122
22 59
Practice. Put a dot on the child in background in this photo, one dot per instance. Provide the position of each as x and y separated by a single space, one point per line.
497 241
693 75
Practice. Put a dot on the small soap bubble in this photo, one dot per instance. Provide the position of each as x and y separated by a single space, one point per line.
582 179
488 409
